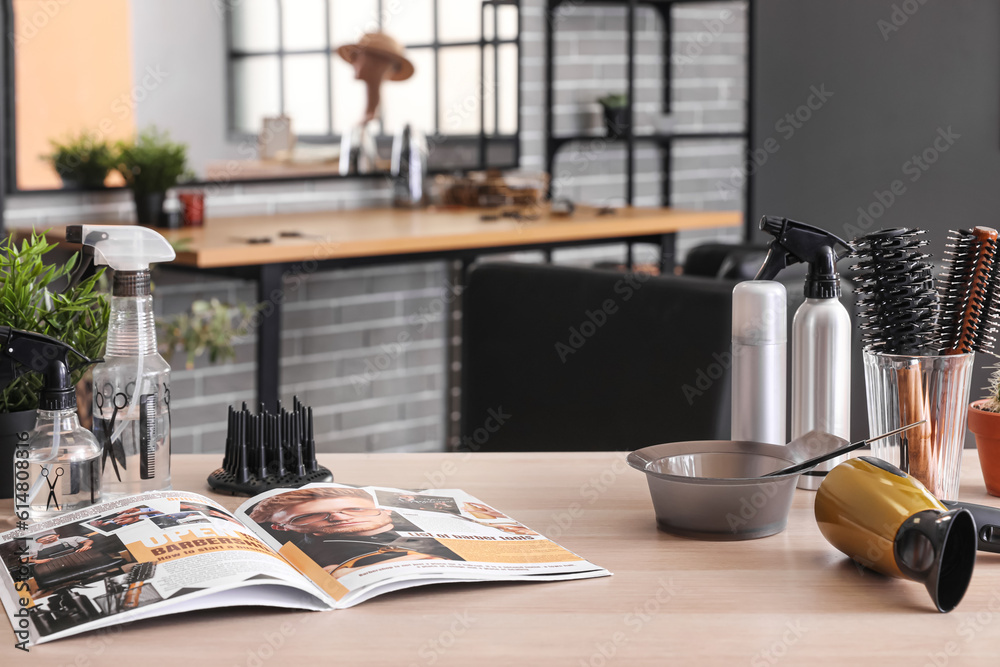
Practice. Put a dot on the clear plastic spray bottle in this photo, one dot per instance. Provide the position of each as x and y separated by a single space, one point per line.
132 385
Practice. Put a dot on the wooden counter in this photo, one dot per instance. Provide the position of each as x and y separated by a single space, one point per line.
225 242
789 599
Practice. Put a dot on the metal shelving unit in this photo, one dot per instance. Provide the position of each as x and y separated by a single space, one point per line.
555 143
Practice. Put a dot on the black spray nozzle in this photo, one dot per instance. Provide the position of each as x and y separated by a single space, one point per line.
28 352
796 242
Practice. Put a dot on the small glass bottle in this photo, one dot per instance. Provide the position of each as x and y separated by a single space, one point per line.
64 471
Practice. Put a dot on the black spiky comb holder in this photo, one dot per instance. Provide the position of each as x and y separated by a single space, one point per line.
968 287
897 302
267 451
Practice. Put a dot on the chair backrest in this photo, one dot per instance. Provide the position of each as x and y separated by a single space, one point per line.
561 359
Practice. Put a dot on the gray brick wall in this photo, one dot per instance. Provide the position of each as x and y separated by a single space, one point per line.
340 349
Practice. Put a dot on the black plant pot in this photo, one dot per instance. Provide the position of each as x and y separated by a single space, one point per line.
616 121
149 207
14 428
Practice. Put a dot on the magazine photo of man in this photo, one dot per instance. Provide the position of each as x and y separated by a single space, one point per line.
343 530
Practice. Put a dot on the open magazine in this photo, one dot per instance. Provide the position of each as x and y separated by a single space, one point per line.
323 546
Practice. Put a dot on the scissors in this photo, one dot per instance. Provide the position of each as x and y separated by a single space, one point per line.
52 499
114 449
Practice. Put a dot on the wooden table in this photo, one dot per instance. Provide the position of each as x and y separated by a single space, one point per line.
301 244
789 599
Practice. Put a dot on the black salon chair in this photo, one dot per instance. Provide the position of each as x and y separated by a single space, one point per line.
562 359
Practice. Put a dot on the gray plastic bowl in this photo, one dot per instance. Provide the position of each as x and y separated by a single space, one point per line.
712 490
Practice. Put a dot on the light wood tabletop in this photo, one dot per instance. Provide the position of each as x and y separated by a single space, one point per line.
374 232
788 599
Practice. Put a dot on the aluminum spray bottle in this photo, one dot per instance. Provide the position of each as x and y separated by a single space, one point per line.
821 335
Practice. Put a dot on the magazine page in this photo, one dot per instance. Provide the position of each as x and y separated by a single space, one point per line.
140 556
357 542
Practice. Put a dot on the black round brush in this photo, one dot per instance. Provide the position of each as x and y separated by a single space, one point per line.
897 302
968 288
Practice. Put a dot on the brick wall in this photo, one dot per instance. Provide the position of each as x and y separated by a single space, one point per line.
340 350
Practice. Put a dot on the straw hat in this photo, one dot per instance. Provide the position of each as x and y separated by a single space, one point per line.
383 45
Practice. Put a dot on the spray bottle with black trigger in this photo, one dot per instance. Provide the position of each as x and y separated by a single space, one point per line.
821 334
61 469
132 385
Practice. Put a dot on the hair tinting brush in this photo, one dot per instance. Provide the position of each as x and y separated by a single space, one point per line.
897 302
968 288
269 450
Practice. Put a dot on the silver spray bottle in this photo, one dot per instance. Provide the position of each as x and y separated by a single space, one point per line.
821 363
821 335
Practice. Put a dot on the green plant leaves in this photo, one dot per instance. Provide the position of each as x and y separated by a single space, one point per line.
152 162
29 301
208 326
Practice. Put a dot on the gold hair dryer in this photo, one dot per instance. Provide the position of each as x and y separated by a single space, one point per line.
887 521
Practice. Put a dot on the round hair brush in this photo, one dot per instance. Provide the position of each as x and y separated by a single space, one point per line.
968 290
897 302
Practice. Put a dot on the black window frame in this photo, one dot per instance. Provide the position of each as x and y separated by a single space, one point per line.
480 141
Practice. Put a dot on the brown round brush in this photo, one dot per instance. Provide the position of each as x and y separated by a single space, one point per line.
968 290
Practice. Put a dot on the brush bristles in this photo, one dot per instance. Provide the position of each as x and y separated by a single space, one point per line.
968 290
897 302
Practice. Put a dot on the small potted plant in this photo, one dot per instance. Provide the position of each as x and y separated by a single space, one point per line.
82 161
984 422
209 326
616 112
151 165
29 301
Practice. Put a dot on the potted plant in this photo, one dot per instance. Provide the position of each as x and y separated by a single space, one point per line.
984 422
82 161
208 326
29 301
151 165
616 114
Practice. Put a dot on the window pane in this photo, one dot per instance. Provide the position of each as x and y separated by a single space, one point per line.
507 21
459 90
306 94
507 91
411 101
348 96
255 82
303 24
409 21
349 19
458 20
255 25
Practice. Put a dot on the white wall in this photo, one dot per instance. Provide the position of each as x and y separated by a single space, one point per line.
184 43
